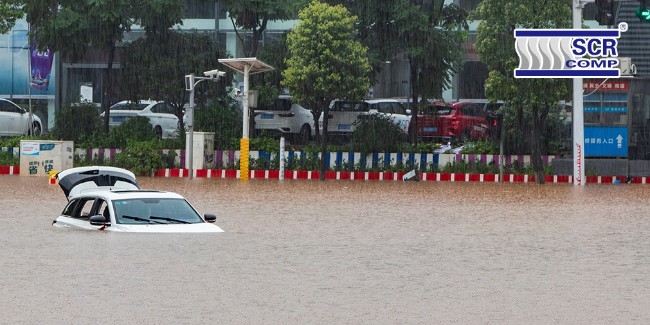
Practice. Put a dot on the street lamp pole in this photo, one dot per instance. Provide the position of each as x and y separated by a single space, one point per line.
190 84
577 116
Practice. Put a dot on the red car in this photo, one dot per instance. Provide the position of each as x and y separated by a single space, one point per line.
460 121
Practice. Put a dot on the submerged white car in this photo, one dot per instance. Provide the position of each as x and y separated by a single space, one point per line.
109 199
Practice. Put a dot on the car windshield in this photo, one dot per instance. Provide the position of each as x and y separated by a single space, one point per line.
155 211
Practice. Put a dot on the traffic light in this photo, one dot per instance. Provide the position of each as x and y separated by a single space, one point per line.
643 12
495 121
605 12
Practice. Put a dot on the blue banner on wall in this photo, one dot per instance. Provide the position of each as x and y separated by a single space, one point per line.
606 141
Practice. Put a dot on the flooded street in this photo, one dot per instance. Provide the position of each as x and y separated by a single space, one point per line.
337 252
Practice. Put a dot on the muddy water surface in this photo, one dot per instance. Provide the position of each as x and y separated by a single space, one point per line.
337 252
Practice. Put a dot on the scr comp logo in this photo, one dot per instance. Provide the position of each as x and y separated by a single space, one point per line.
568 53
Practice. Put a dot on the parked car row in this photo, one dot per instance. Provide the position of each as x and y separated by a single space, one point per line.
439 121
15 120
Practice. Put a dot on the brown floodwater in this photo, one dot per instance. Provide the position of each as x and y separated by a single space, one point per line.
337 252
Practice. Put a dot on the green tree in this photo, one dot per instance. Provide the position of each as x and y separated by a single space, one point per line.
325 62
427 33
155 67
76 27
495 45
254 15
430 33
9 12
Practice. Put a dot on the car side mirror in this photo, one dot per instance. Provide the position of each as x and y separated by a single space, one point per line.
210 217
98 220
408 112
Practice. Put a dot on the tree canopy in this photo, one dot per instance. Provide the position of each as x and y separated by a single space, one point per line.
495 44
75 27
325 61
254 15
155 67
10 11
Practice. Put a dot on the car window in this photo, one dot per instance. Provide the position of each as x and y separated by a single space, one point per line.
70 208
444 110
282 104
345 106
83 208
163 108
9 108
128 106
398 108
385 108
470 110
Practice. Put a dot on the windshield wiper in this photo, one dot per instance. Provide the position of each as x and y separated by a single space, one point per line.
139 219
168 219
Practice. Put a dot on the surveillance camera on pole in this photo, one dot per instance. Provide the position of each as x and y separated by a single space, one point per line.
214 74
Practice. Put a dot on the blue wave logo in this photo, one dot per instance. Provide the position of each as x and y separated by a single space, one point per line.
568 53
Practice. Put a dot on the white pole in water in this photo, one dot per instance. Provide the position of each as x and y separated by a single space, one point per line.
281 158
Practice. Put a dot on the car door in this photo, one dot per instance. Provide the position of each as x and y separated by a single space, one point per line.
4 118
162 114
14 123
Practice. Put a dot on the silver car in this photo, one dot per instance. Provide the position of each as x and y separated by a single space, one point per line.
14 120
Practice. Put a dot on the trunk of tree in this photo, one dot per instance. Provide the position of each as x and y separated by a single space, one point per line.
108 88
323 151
535 145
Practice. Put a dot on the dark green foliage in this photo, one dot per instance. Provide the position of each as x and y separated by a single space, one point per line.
79 123
224 119
155 67
8 158
133 130
141 157
377 133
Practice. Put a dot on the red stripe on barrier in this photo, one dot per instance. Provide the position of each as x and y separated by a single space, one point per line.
301 174
231 173
275 174
445 177
490 177
201 173
4 170
373 176
474 177
517 178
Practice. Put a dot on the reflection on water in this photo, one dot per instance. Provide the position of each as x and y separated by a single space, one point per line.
337 252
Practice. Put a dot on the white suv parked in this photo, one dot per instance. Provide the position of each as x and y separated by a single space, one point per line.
284 117
343 114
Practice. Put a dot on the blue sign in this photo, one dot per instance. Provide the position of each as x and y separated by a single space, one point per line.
601 141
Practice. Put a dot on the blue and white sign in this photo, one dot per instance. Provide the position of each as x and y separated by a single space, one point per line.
606 141
568 53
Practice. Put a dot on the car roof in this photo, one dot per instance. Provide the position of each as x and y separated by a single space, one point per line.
145 101
381 100
128 194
